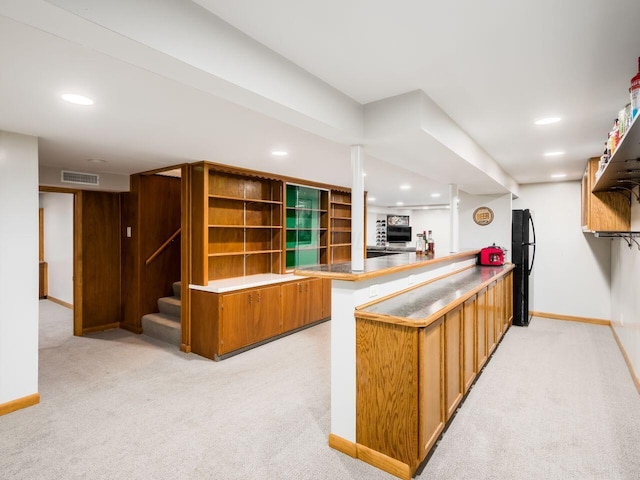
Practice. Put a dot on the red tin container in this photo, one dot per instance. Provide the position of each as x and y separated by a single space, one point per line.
491 256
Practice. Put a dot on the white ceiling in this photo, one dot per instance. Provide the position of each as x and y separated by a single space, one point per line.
492 66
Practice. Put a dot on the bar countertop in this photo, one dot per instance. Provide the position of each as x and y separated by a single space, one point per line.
424 304
380 266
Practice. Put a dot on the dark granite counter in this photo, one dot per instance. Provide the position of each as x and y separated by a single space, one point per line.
424 304
380 266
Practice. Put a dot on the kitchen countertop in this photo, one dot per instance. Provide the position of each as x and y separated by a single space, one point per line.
250 281
424 304
380 266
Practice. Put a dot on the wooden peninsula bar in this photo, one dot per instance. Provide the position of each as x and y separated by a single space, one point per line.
409 334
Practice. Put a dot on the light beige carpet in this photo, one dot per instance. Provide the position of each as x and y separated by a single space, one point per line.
119 406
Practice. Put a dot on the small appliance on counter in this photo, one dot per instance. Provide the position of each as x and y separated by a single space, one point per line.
491 256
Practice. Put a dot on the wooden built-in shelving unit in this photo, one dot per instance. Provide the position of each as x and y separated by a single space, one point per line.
340 244
246 222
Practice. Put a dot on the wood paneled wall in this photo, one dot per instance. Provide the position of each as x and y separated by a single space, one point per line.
152 209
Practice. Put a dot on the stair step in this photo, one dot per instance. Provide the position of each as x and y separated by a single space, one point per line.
163 327
170 306
177 289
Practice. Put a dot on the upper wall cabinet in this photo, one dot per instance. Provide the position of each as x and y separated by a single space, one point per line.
603 211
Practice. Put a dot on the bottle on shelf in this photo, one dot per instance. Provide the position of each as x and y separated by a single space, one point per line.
420 244
431 246
635 93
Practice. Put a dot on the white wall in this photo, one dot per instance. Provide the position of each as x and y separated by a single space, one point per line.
18 266
474 236
58 243
436 220
571 275
625 292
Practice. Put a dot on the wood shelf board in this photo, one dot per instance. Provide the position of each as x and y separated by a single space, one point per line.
319 229
340 245
340 218
257 227
319 247
333 202
302 209
248 252
629 149
341 230
241 199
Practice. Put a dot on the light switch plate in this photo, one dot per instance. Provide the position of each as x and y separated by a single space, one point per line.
129 232
373 291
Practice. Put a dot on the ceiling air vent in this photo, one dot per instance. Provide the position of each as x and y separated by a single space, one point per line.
80 178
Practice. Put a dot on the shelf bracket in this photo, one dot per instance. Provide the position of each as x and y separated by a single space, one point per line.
629 237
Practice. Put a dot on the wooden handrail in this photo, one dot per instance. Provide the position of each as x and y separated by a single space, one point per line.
162 247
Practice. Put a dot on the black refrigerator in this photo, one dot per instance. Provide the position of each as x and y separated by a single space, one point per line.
523 254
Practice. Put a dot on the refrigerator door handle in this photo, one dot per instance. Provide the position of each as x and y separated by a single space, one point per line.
533 257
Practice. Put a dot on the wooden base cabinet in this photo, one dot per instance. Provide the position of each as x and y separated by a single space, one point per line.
302 303
248 317
410 380
222 323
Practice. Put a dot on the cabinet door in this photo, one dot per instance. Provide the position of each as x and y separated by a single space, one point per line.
293 311
453 359
481 329
265 318
431 381
315 300
326 298
235 332
499 308
469 342
491 317
509 297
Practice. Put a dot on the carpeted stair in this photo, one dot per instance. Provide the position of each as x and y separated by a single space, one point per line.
165 325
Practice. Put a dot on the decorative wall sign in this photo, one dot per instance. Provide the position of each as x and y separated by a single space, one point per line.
397 219
483 216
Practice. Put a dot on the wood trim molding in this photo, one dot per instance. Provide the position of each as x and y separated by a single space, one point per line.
19 403
131 328
185 348
571 318
634 377
343 445
383 462
60 302
100 328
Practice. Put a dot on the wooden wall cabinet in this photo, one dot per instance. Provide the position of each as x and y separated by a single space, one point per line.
603 211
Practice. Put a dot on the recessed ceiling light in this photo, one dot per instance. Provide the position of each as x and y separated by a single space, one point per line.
405 187
371 199
399 203
279 153
96 160
554 154
547 120
558 175
77 99
435 195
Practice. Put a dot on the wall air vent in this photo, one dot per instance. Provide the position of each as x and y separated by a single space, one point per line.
79 178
